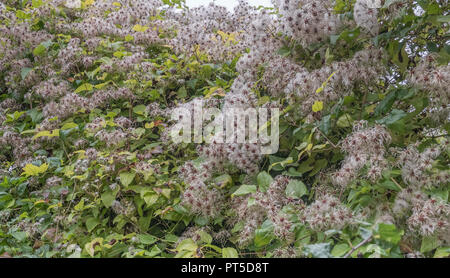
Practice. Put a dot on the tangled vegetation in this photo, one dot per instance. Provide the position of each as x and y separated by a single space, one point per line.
88 168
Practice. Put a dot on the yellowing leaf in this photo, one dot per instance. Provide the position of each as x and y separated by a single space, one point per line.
47 133
95 245
324 84
129 38
32 170
317 106
84 87
139 28
88 2
70 125
101 85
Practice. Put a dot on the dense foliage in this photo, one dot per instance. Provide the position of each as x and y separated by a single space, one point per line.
88 168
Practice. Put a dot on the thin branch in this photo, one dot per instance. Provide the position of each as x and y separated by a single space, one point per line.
357 246
329 141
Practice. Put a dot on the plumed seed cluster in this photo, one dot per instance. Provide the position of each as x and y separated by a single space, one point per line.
198 31
366 16
327 213
364 147
417 167
268 204
429 76
200 196
364 68
430 218
285 252
307 21
123 207
114 71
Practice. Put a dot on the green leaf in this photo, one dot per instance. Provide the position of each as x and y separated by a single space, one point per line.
36 3
264 180
428 244
318 165
108 198
385 105
345 121
187 245
24 72
146 239
325 124
264 235
389 233
223 181
244 190
284 51
126 178
229 252
340 249
150 198
139 109
204 237
20 236
296 189
319 250
182 92
392 117
39 50
389 185
91 223
442 252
